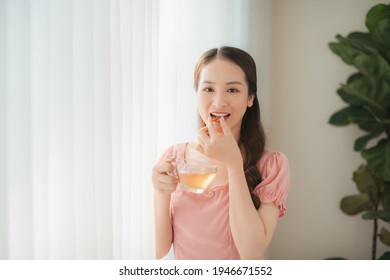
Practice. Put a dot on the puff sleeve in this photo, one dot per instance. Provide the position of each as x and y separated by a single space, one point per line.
275 185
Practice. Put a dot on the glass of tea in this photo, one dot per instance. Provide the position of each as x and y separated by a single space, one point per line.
195 176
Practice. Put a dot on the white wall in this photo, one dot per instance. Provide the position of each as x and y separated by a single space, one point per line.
304 77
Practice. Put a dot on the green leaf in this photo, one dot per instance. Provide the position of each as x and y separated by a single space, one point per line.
348 98
381 32
385 256
354 204
370 127
361 142
365 42
378 159
384 236
350 115
363 92
387 55
376 14
345 51
385 196
371 65
373 88
364 180
376 214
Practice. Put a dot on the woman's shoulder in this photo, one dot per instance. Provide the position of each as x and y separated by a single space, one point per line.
267 154
273 158
176 150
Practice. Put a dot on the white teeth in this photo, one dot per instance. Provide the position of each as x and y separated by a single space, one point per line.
220 115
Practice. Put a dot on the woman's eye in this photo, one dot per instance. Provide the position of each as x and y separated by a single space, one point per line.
233 90
208 90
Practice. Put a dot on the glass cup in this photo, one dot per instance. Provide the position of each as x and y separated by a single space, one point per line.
195 176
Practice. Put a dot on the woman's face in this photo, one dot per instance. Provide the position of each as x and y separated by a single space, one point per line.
223 91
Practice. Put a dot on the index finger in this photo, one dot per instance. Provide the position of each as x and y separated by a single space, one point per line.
225 128
211 128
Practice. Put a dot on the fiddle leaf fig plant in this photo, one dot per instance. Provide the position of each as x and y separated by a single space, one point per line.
367 96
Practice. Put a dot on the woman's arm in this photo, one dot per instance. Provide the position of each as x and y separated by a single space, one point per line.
163 226
252 229
164 185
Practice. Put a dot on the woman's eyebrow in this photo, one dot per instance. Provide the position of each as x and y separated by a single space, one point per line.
234 83
228 83
207 82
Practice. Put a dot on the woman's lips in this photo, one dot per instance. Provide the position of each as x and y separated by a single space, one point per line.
215 116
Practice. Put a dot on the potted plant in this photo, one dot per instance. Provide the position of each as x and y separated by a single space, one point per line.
367 95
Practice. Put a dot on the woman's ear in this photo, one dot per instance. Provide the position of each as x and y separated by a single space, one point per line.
250 100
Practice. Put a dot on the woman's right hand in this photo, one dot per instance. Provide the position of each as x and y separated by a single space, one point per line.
164 177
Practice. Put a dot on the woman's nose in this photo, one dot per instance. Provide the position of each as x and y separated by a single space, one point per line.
220 100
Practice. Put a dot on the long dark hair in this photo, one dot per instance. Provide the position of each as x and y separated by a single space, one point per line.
252 136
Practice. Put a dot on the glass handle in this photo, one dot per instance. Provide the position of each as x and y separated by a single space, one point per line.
172 160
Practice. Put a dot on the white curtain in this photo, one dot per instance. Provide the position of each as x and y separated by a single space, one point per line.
91 92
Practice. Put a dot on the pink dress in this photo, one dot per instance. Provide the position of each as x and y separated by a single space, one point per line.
201 221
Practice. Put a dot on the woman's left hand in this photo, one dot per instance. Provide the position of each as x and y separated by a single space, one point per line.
219 144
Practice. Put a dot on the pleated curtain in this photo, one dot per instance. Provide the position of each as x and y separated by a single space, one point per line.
91 93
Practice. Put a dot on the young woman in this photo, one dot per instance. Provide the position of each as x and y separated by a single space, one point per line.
237 217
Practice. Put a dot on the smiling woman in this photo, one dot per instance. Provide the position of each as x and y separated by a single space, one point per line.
218 87
237 215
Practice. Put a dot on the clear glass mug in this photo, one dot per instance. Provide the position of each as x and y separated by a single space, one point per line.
194 175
